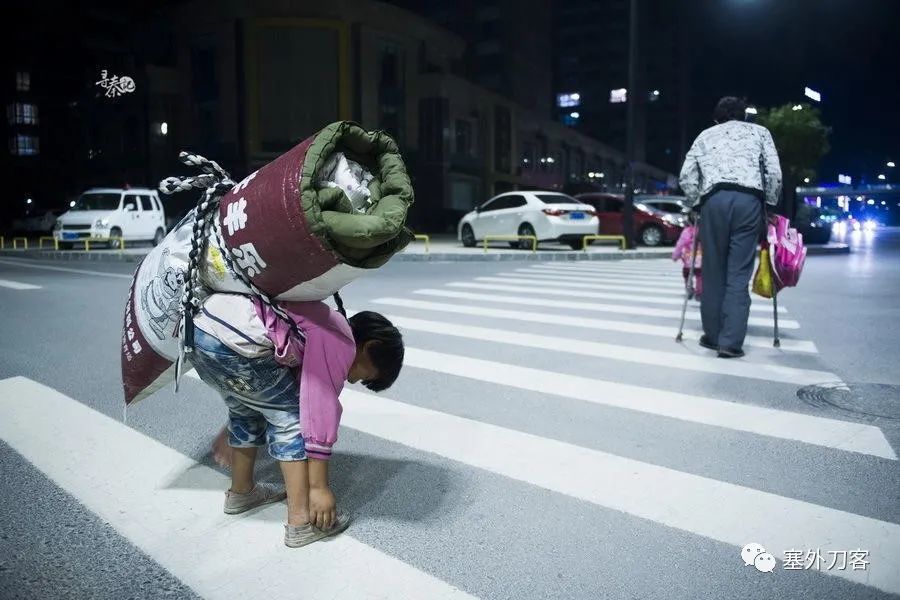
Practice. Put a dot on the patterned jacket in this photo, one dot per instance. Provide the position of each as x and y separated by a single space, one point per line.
733 155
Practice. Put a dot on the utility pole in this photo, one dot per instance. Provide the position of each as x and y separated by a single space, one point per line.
632 98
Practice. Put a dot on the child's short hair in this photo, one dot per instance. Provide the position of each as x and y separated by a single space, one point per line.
387 351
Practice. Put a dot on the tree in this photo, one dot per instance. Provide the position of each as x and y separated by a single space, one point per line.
802 141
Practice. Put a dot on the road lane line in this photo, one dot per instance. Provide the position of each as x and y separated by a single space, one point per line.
171 508
585 322
28 265
692 314
820 431
562 291
714 509
15 285
706 363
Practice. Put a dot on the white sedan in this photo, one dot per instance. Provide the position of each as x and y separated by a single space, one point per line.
549 216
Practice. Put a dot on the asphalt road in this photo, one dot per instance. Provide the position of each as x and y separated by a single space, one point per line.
547 439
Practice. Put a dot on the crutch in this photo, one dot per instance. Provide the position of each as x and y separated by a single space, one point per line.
777 341
689 284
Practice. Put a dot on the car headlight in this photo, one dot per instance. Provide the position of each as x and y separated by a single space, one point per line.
101 223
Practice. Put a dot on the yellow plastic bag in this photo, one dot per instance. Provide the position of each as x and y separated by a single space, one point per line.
762 281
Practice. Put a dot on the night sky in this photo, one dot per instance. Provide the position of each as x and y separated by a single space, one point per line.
768 50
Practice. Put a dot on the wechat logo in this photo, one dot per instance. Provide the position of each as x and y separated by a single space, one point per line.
754 554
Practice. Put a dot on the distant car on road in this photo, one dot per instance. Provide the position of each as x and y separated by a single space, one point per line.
652 226
675 205
40 222
549 216
132 214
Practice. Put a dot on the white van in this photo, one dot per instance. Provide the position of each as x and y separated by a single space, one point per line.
132 214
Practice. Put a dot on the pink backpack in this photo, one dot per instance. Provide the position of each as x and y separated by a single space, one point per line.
787 252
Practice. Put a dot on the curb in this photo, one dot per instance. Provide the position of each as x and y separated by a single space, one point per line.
503 256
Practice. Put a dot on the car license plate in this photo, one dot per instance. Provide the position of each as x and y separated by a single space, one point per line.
576 215
69 235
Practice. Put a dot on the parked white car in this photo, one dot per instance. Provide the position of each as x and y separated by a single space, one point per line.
133 214
549 216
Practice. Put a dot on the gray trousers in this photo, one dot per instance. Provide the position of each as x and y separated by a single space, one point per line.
730 226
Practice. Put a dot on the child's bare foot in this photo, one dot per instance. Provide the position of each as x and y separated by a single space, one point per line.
221 451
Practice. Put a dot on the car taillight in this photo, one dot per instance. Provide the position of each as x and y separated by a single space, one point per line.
554 212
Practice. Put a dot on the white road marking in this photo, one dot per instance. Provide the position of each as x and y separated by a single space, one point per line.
705 363
722 511
581 282
171 508
830 433
29 265
692 314
572 293
553 318
15 285
563 276
568 268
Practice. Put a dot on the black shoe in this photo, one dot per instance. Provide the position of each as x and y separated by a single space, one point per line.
704 341
730 353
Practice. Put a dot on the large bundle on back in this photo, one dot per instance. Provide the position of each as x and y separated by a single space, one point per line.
299 228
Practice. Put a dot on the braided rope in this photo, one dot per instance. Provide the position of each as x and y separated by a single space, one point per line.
216 182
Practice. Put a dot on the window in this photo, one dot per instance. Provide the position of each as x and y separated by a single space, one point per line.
23 81
97 201
21 113
514 201
131 201
156 203
24 145
145 203
464 137
612 205
557 199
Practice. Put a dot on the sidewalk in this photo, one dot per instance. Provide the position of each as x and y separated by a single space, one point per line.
441 248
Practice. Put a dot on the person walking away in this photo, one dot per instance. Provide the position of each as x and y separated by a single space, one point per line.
730 170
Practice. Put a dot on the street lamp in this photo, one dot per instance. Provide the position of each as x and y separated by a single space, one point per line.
806 180
890 163
28 201
797 107
164 128
881 176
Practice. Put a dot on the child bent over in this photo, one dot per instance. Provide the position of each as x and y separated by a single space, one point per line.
282 391
683 249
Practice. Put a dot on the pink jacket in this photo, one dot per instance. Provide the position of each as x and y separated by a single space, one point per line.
683 248
324 362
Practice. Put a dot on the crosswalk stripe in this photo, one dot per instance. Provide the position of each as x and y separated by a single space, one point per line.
714 509
171 508
669 288
667 268
692 313
562 291
584 322
656 283
566 288
658 266
706 363
529 280
656 279
15 285
820 431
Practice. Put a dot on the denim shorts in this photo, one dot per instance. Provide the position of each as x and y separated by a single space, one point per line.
261 396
